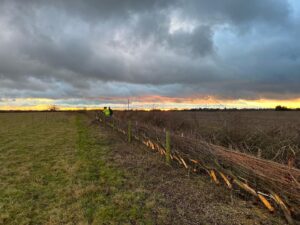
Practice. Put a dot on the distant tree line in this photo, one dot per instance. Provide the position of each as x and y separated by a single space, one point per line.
284 108
53 108
277 108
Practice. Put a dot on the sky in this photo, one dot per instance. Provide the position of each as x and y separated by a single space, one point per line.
157 53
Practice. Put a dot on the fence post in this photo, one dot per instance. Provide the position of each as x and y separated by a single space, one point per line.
129 131
113 124
168 148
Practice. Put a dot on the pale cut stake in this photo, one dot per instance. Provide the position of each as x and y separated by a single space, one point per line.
266 203
226 180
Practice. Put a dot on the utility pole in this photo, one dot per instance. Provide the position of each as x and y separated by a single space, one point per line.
128 104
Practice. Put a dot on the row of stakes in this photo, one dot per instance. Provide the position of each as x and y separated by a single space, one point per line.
211 172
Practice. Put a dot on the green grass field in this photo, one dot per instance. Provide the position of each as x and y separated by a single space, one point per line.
60 168
53 170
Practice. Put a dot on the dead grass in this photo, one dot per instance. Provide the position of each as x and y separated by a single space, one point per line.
190 199
271 135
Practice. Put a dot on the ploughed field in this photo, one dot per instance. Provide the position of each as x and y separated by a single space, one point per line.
270 135
61 168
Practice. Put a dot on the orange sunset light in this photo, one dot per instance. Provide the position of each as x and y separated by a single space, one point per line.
145 102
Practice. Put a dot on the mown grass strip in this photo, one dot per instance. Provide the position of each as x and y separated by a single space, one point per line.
106 198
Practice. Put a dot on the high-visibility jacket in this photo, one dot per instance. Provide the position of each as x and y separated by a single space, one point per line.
106 112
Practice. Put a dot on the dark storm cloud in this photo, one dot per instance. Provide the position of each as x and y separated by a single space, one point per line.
229 49
238 12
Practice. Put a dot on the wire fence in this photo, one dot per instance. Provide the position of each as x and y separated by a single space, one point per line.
275 185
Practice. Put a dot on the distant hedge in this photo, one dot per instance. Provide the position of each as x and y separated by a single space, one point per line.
281 108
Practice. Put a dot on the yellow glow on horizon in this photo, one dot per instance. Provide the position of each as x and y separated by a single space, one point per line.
146 102
45 107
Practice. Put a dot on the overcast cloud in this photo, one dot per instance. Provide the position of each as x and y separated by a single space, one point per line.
109 48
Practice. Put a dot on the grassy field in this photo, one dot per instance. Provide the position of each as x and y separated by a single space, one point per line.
54 171
59 168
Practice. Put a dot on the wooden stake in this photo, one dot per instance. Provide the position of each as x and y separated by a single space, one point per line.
214 177
245 187
129 131
266 203
182 160
168 148
284 208
226 180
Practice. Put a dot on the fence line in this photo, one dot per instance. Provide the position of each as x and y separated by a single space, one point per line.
223 166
